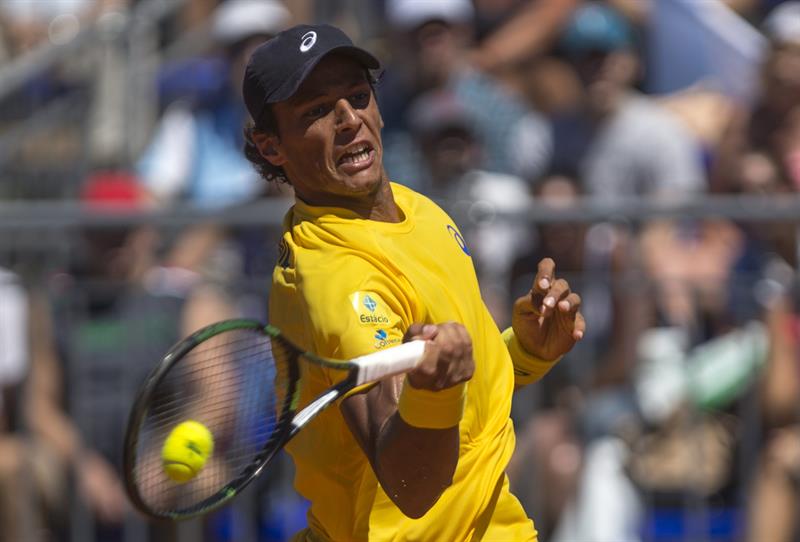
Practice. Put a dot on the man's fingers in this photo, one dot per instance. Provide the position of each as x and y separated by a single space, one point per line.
428 364
545 275
524 305
461 372
448 356
455 342
580 327
455 350
569 307
571 303
557 292
417 331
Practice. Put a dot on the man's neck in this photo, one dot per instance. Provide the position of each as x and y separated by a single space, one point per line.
384 208
379 206
606 106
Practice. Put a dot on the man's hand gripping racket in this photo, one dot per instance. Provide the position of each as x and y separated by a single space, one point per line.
239 379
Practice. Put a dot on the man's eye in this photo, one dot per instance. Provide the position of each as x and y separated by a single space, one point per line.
360 99
317 111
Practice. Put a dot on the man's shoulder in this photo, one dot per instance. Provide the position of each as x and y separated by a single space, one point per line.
642 114
411 201
319 266
640 128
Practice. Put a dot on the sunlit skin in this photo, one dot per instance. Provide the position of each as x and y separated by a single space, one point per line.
333 114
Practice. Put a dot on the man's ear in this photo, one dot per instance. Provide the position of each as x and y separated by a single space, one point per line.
269 145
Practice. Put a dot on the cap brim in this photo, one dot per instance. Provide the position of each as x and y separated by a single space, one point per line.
293 82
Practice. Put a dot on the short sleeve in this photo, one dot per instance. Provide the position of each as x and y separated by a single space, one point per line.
355 311
368 324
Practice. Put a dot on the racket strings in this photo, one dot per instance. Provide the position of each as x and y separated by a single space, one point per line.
236 385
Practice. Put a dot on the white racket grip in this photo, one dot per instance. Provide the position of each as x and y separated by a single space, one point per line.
391 361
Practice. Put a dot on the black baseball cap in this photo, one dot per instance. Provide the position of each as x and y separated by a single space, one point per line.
278 66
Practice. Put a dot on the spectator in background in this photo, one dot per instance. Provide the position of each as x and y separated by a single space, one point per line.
774 497
432 41
620 144
29 24
775 123
625 144
100 329
46 26
511 31
20 517
700 348
195 154
770 127
445 137
718 281
760 156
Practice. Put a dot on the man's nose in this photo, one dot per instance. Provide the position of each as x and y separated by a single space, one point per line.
346 116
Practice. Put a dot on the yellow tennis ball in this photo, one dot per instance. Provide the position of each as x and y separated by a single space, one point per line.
186 450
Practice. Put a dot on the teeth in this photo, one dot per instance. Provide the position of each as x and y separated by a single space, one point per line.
357 155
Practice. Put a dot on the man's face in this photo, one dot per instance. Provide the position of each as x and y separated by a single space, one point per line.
782 77
328 140
605 76
435 46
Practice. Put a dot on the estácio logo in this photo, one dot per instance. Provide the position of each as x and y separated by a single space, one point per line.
370 308
372 319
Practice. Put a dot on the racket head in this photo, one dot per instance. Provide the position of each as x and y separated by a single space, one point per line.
239 378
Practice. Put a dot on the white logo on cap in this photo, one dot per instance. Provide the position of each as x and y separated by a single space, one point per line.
309 39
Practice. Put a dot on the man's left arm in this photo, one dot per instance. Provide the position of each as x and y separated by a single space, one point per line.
545 324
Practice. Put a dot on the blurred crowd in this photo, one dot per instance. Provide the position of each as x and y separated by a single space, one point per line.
676 418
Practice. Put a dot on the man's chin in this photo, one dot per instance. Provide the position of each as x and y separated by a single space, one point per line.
367 180
364 187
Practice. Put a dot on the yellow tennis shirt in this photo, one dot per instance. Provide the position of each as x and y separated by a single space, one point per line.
345 286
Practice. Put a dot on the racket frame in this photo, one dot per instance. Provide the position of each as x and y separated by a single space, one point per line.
143 401
360 371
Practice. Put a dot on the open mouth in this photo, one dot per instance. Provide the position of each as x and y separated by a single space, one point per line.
360 155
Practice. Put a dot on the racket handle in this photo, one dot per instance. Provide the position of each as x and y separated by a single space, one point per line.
391 361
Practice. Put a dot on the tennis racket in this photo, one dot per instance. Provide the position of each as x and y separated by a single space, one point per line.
241 380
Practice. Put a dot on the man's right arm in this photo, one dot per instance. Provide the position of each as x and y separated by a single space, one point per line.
408 426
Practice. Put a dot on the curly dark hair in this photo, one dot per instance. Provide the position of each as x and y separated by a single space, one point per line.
269 125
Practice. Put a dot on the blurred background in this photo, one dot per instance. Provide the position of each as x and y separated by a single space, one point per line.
651 147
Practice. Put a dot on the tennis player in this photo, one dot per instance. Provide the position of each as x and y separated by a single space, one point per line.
366 264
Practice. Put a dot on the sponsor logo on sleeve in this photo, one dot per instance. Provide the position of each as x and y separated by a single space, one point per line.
462 244
369 308
382 339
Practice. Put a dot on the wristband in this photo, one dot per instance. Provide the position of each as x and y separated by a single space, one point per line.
432 409
527 367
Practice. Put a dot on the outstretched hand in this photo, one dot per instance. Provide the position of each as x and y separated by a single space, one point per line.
547 321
